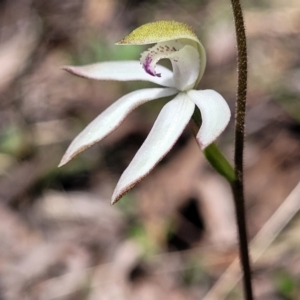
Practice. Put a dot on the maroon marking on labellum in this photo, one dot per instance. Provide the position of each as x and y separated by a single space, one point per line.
147 68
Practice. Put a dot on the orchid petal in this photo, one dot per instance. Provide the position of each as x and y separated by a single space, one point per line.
111 118
215 115
184 58
122 71
163 31
150 58
166 130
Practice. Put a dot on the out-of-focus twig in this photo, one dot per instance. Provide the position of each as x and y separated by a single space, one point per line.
272 228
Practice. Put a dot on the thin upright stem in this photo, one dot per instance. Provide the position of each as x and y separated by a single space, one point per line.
238 184
238 194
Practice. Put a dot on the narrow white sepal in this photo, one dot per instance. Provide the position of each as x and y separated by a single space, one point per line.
111 118
166 130
215 115
122 71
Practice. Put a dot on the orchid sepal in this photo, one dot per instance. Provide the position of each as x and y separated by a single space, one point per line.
160 140
164 31
121 71
111 118
215 114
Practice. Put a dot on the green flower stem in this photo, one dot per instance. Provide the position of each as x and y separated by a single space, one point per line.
219 162
214 155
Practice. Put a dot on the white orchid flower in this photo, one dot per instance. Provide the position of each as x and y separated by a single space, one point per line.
178 43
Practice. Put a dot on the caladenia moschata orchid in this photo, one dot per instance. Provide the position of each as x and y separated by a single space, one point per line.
178 43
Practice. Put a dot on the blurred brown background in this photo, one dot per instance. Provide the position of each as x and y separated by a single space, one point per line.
174 235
